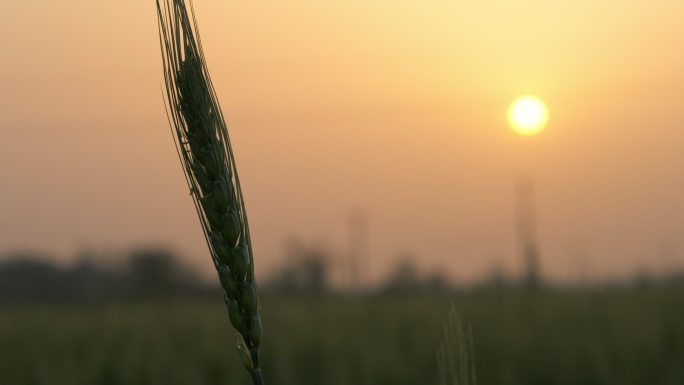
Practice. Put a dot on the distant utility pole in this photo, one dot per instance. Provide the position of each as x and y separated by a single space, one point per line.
358 249
525 222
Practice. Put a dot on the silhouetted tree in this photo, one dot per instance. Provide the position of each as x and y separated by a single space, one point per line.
307 270
404 277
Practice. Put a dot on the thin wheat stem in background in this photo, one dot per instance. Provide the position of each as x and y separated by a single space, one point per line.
207 158
455 358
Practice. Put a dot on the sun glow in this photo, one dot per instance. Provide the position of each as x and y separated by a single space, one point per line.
528 115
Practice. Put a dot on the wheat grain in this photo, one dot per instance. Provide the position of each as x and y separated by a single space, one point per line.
207 158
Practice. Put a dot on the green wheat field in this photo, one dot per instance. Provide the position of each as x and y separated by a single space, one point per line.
611 336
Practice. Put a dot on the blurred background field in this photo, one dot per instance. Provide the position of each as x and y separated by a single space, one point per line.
170 330
613 337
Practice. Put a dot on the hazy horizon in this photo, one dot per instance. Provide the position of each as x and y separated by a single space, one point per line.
334 107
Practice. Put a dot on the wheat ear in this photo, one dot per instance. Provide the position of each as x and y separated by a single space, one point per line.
209 165
455 356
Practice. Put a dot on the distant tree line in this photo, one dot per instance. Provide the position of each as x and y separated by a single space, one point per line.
158 273
143 273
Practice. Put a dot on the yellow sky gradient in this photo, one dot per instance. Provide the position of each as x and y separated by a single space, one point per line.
398 107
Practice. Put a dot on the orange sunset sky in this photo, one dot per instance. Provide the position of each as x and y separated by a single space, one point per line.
396 107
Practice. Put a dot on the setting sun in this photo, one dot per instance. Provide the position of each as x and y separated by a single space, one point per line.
528 115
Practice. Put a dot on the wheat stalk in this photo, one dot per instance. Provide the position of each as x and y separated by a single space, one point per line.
455 358
207 158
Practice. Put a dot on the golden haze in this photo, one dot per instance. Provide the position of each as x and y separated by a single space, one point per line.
333 105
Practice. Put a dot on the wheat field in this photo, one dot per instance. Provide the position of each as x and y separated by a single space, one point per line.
613 336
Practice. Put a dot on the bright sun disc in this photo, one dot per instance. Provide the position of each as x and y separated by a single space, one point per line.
528 115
